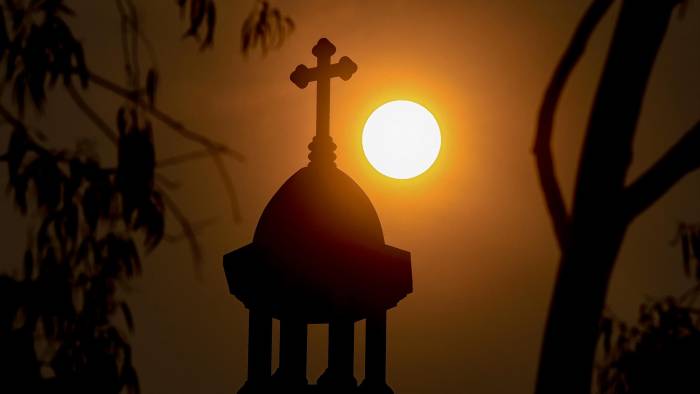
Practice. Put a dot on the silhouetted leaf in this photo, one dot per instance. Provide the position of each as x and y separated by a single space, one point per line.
128 317
18 92
265 27
685 248
16 150
47 179
81 66
211 25
131 381
91 206
151 86
11 62
71 221
197 12
121 121
19 185
28 265
4 38
606 332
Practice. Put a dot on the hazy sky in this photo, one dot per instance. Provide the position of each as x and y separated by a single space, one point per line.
484 256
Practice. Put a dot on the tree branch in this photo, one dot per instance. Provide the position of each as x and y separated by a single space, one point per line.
682 159
91 114
183 158
542 147
187 229
215 149
134 97
11 119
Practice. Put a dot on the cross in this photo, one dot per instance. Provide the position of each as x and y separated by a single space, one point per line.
322 74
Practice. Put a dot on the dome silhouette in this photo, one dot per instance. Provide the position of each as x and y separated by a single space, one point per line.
319 251
319 207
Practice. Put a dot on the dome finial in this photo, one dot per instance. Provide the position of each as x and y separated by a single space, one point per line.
322 146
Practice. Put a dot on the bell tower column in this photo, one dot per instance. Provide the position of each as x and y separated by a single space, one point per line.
259 352
339 375
291 373
375 355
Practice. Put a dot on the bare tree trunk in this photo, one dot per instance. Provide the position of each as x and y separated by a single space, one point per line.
598 221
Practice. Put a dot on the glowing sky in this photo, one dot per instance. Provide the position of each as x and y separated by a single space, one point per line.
483 254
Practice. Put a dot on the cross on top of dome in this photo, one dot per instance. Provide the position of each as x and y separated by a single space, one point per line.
322 146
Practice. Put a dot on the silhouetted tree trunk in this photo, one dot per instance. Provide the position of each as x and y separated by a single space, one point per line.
591 235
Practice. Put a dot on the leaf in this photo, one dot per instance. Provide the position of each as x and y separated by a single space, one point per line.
28 265
121 121
197 13
48 181
211 25
131 380
20 185
11 62
683 9
65 9
128 317
86 246
4 38
81 66
606 331
694 238
18 92
16 150
91 206
71 221
685 247
151 86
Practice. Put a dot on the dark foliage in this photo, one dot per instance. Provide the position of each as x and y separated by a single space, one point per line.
64 321
659 353
37 47
265 27
201 14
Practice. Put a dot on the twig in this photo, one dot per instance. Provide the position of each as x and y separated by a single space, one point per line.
175 125
91 114
228 185
167 182
11 119
542 147
196 227
185 224
183 158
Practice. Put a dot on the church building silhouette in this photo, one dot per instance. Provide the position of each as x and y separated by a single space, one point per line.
318 257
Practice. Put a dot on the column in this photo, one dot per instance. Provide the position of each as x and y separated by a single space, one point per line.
341 348
375 355
259 351
292 368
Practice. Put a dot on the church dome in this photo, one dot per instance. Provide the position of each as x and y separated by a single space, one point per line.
319 208
319 251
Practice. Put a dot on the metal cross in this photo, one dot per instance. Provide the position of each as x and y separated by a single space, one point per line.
322 74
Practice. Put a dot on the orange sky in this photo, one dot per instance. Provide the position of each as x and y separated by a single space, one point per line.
484 256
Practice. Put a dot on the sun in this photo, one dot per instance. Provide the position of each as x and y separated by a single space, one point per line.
401 139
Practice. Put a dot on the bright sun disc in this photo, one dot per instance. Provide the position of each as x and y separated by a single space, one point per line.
401 139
